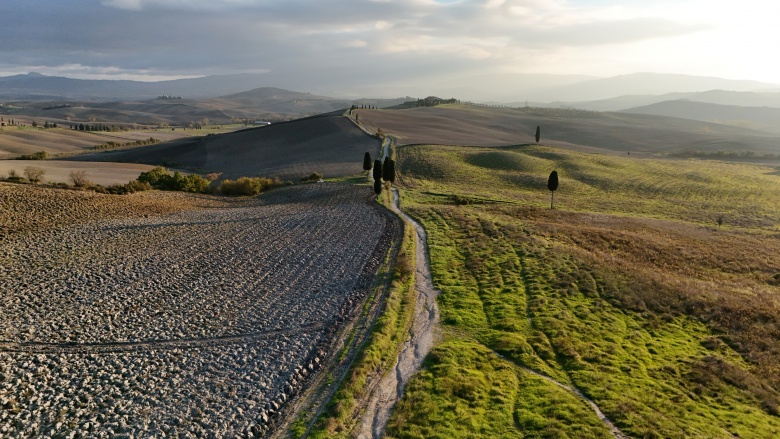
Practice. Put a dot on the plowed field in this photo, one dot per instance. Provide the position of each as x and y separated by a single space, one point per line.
201 322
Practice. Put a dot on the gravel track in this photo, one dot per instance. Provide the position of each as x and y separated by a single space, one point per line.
200 323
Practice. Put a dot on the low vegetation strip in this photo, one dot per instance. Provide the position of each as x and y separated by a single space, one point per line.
344 413
663 318
266 265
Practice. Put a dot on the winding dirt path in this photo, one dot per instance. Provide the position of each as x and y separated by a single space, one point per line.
422 335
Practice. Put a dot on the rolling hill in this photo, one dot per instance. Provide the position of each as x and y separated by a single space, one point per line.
265 103
38 86
570 129
721 97
760 118
329 144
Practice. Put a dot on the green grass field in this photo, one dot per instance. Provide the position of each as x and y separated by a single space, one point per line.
628 291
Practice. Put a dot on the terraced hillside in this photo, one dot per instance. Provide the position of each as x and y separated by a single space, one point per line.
328 144
197 318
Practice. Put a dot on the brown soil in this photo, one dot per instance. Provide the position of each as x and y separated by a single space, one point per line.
25 208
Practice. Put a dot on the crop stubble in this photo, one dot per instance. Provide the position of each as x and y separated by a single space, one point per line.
200 322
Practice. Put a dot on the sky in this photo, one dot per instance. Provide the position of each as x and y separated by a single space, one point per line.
359 46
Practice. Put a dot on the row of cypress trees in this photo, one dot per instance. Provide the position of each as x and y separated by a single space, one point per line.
381 171
386 171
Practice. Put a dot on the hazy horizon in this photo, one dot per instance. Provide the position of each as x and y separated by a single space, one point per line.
368 47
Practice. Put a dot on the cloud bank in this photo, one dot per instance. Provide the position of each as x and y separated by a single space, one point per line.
332 45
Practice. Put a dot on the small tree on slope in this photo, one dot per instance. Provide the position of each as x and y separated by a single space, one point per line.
552 185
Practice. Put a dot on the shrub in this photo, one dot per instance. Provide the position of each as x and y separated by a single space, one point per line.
40 155
161 178
248 186
33 174
139 186
316 176
188 183
13 176
79 179
155 177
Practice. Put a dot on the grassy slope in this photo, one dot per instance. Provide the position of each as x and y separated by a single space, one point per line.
628 291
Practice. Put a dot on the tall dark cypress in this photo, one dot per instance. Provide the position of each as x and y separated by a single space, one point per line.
377 170
367 161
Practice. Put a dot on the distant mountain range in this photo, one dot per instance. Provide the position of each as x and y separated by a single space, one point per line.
648 84
757 118
223 98
42 87
569 90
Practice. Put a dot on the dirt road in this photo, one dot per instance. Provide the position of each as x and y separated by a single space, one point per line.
422 336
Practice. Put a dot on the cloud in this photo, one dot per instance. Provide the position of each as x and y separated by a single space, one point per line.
320 43
138 5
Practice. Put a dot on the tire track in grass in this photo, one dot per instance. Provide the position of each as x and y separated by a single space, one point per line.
616 432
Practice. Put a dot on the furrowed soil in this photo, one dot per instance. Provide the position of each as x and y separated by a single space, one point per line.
164 314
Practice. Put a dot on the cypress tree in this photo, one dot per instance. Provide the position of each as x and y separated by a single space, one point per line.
538 134
367 162
388 170
377 187
552 185
377 170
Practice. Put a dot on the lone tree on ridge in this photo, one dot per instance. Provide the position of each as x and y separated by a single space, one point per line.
552 185
367 162
539 135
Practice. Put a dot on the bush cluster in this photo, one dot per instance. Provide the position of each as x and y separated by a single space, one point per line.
247 186
40 155
316 176
123 189
113 145
161 178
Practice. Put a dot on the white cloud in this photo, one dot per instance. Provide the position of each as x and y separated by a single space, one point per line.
138 5
325 41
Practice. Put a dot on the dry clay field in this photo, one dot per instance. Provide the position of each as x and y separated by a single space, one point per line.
160 314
